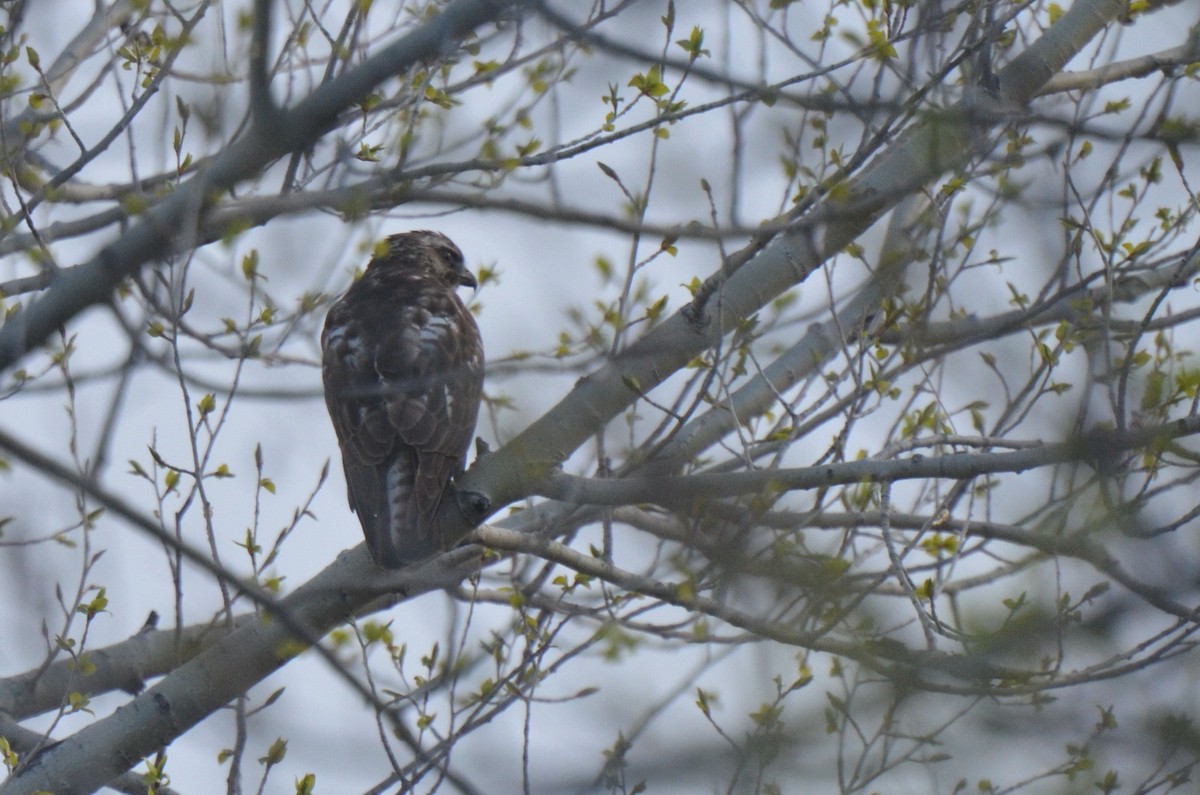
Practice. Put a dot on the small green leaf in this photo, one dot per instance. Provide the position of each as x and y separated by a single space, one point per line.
250 264
78 702
99 604
275 753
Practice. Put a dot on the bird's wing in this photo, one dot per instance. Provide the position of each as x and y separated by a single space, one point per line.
434 372
403 394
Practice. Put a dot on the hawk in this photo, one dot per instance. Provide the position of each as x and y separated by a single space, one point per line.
402 363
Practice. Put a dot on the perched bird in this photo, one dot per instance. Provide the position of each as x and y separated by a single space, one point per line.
403 370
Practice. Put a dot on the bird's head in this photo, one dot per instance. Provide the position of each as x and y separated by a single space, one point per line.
431 252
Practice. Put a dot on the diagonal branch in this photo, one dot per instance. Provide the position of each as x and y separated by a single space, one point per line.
169 225
942 142
125 665
15 130
25 741
108 747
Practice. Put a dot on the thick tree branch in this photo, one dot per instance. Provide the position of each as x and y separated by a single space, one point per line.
171 224
26 741
1165 61
110 746
122 666
942 142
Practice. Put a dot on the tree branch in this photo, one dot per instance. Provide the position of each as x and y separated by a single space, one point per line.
110 746
25 741
170 225
122 666
942 142
676 490
16 129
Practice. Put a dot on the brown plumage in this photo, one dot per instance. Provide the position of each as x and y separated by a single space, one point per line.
403 370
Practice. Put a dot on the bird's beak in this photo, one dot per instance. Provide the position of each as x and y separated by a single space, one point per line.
467 279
